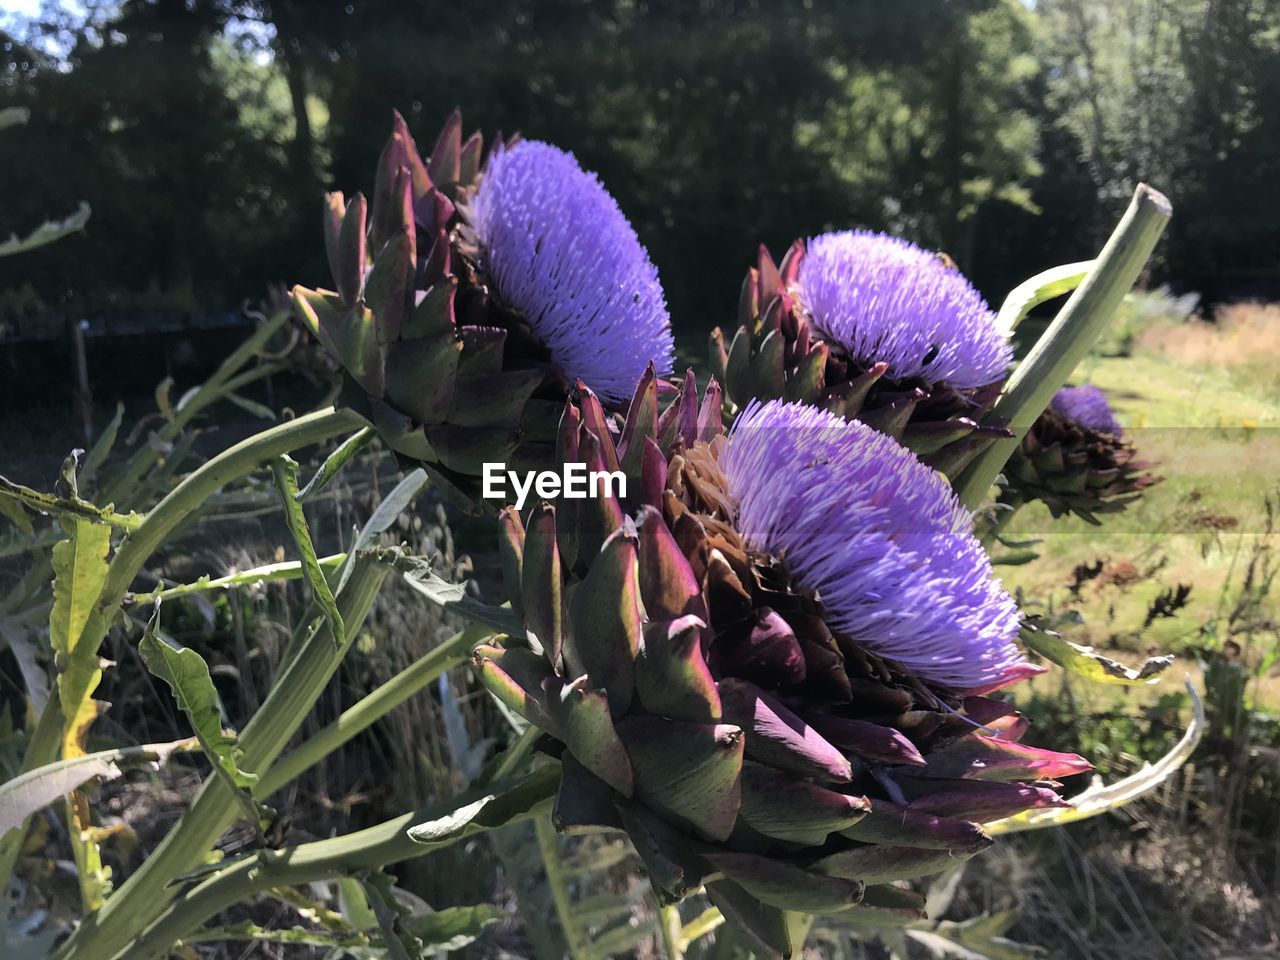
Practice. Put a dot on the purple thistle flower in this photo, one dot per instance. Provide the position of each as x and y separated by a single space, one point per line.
561 252
1087 406
878 536
884 299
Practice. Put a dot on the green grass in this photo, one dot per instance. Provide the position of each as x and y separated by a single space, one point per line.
1214 436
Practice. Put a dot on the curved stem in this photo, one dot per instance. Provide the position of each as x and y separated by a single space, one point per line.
1069 337
368 849
414 678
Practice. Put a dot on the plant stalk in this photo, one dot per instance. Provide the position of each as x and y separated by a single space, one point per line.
371 708
145 894
368 849
574 936
1084 316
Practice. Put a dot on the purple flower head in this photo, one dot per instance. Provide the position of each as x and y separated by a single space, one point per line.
560 251
884 299
878 536
1088 407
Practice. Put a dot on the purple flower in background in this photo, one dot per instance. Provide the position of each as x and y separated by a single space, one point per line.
560 251
883 299
878 536
1088 407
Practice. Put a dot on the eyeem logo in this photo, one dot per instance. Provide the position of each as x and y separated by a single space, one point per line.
573 483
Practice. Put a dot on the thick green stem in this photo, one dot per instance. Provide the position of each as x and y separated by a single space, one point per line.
453 652
137 547
1085 315
145 894
574 937
368 849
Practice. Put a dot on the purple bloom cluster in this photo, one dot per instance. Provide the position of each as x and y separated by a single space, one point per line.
878 536
560 251
1087 406
884 299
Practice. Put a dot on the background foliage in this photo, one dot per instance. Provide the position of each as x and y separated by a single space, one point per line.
1008 134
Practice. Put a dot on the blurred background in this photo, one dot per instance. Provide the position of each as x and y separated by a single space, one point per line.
1008 134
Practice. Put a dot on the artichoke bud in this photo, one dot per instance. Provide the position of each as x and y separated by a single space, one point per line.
465 305
1077 459
869 327
716 708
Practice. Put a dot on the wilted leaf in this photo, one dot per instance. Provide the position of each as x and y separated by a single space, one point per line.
1101 799
36 789
492 810
46 233
1087 662
187 676
453 597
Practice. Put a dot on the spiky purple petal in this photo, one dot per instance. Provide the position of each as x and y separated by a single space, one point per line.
878 535
1087 406
561 252
884 299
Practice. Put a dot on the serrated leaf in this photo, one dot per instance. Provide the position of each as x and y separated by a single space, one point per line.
187 676
337 460
79 571
36 789
1087 662
285 471
1099 799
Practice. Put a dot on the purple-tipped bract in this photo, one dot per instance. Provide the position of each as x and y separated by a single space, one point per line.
879 298
560 251
878 536
1088 407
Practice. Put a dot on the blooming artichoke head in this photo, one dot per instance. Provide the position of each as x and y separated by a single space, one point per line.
475 292
872 327
1077 459
769 668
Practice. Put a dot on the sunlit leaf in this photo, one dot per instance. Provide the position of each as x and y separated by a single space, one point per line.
36 789
1087 662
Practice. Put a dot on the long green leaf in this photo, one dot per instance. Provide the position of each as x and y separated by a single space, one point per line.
79 572
187 676
36 789
285 470
101 448
1103 799
337 460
